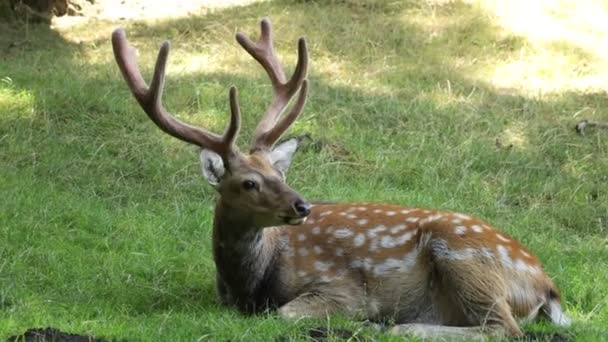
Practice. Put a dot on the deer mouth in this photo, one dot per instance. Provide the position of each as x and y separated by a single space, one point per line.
293 221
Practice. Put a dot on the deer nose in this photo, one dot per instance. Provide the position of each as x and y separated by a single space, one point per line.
302 208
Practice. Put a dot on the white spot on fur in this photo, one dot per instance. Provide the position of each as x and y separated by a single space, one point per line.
317 249
405 238
460 230
316 230
468 253
526 254
441 250
392 265
502 238
362 208
301 237
457 221
389 264
344 213
362 221
426 211
477 228
406 211
387 242
396 229
431 218
373 232
390 242
463 254
339 252
302 274
366 263
343 233
303 251
462 216
325 213
504 256
351 216
377 211
323 266
391 213
412 219
326 279
520 265
287 248
359 240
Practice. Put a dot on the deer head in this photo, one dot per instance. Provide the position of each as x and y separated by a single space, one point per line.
251 184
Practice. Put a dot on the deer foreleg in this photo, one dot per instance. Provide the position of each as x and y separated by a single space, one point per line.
309 305
221 291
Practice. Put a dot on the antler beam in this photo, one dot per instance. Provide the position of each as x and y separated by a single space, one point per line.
150 99
269 130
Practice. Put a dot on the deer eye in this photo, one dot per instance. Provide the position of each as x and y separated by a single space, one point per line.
250 185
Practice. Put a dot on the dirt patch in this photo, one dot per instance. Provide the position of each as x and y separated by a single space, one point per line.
51 335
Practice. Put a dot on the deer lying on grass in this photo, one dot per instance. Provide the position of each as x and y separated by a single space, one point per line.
433 273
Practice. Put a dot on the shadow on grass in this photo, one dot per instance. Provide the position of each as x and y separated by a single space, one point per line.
424 115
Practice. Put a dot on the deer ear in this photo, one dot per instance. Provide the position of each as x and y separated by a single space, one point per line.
212 166
282 154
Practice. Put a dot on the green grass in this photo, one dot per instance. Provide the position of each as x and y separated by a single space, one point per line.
105 221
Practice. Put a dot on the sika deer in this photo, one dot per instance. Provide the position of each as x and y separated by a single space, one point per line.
434 273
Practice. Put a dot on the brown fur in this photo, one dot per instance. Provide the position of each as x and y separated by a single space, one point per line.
479 290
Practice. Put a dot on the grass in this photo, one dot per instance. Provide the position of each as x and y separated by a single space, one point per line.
105 222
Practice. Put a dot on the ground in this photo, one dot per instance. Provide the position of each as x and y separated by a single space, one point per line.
457 105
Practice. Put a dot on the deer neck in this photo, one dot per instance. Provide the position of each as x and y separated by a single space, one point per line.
246 258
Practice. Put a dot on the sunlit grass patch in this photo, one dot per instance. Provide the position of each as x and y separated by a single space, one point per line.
15 103
564 47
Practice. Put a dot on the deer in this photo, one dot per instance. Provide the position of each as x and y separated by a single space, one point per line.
431 273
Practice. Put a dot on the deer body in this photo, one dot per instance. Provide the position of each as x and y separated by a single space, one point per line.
386 262
434 273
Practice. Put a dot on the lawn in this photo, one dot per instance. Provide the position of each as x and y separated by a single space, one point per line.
460 105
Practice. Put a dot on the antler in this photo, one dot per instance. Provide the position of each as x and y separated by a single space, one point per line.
150 100
268 130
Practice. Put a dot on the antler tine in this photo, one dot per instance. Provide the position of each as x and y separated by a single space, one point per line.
268 131
273 135
150 99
